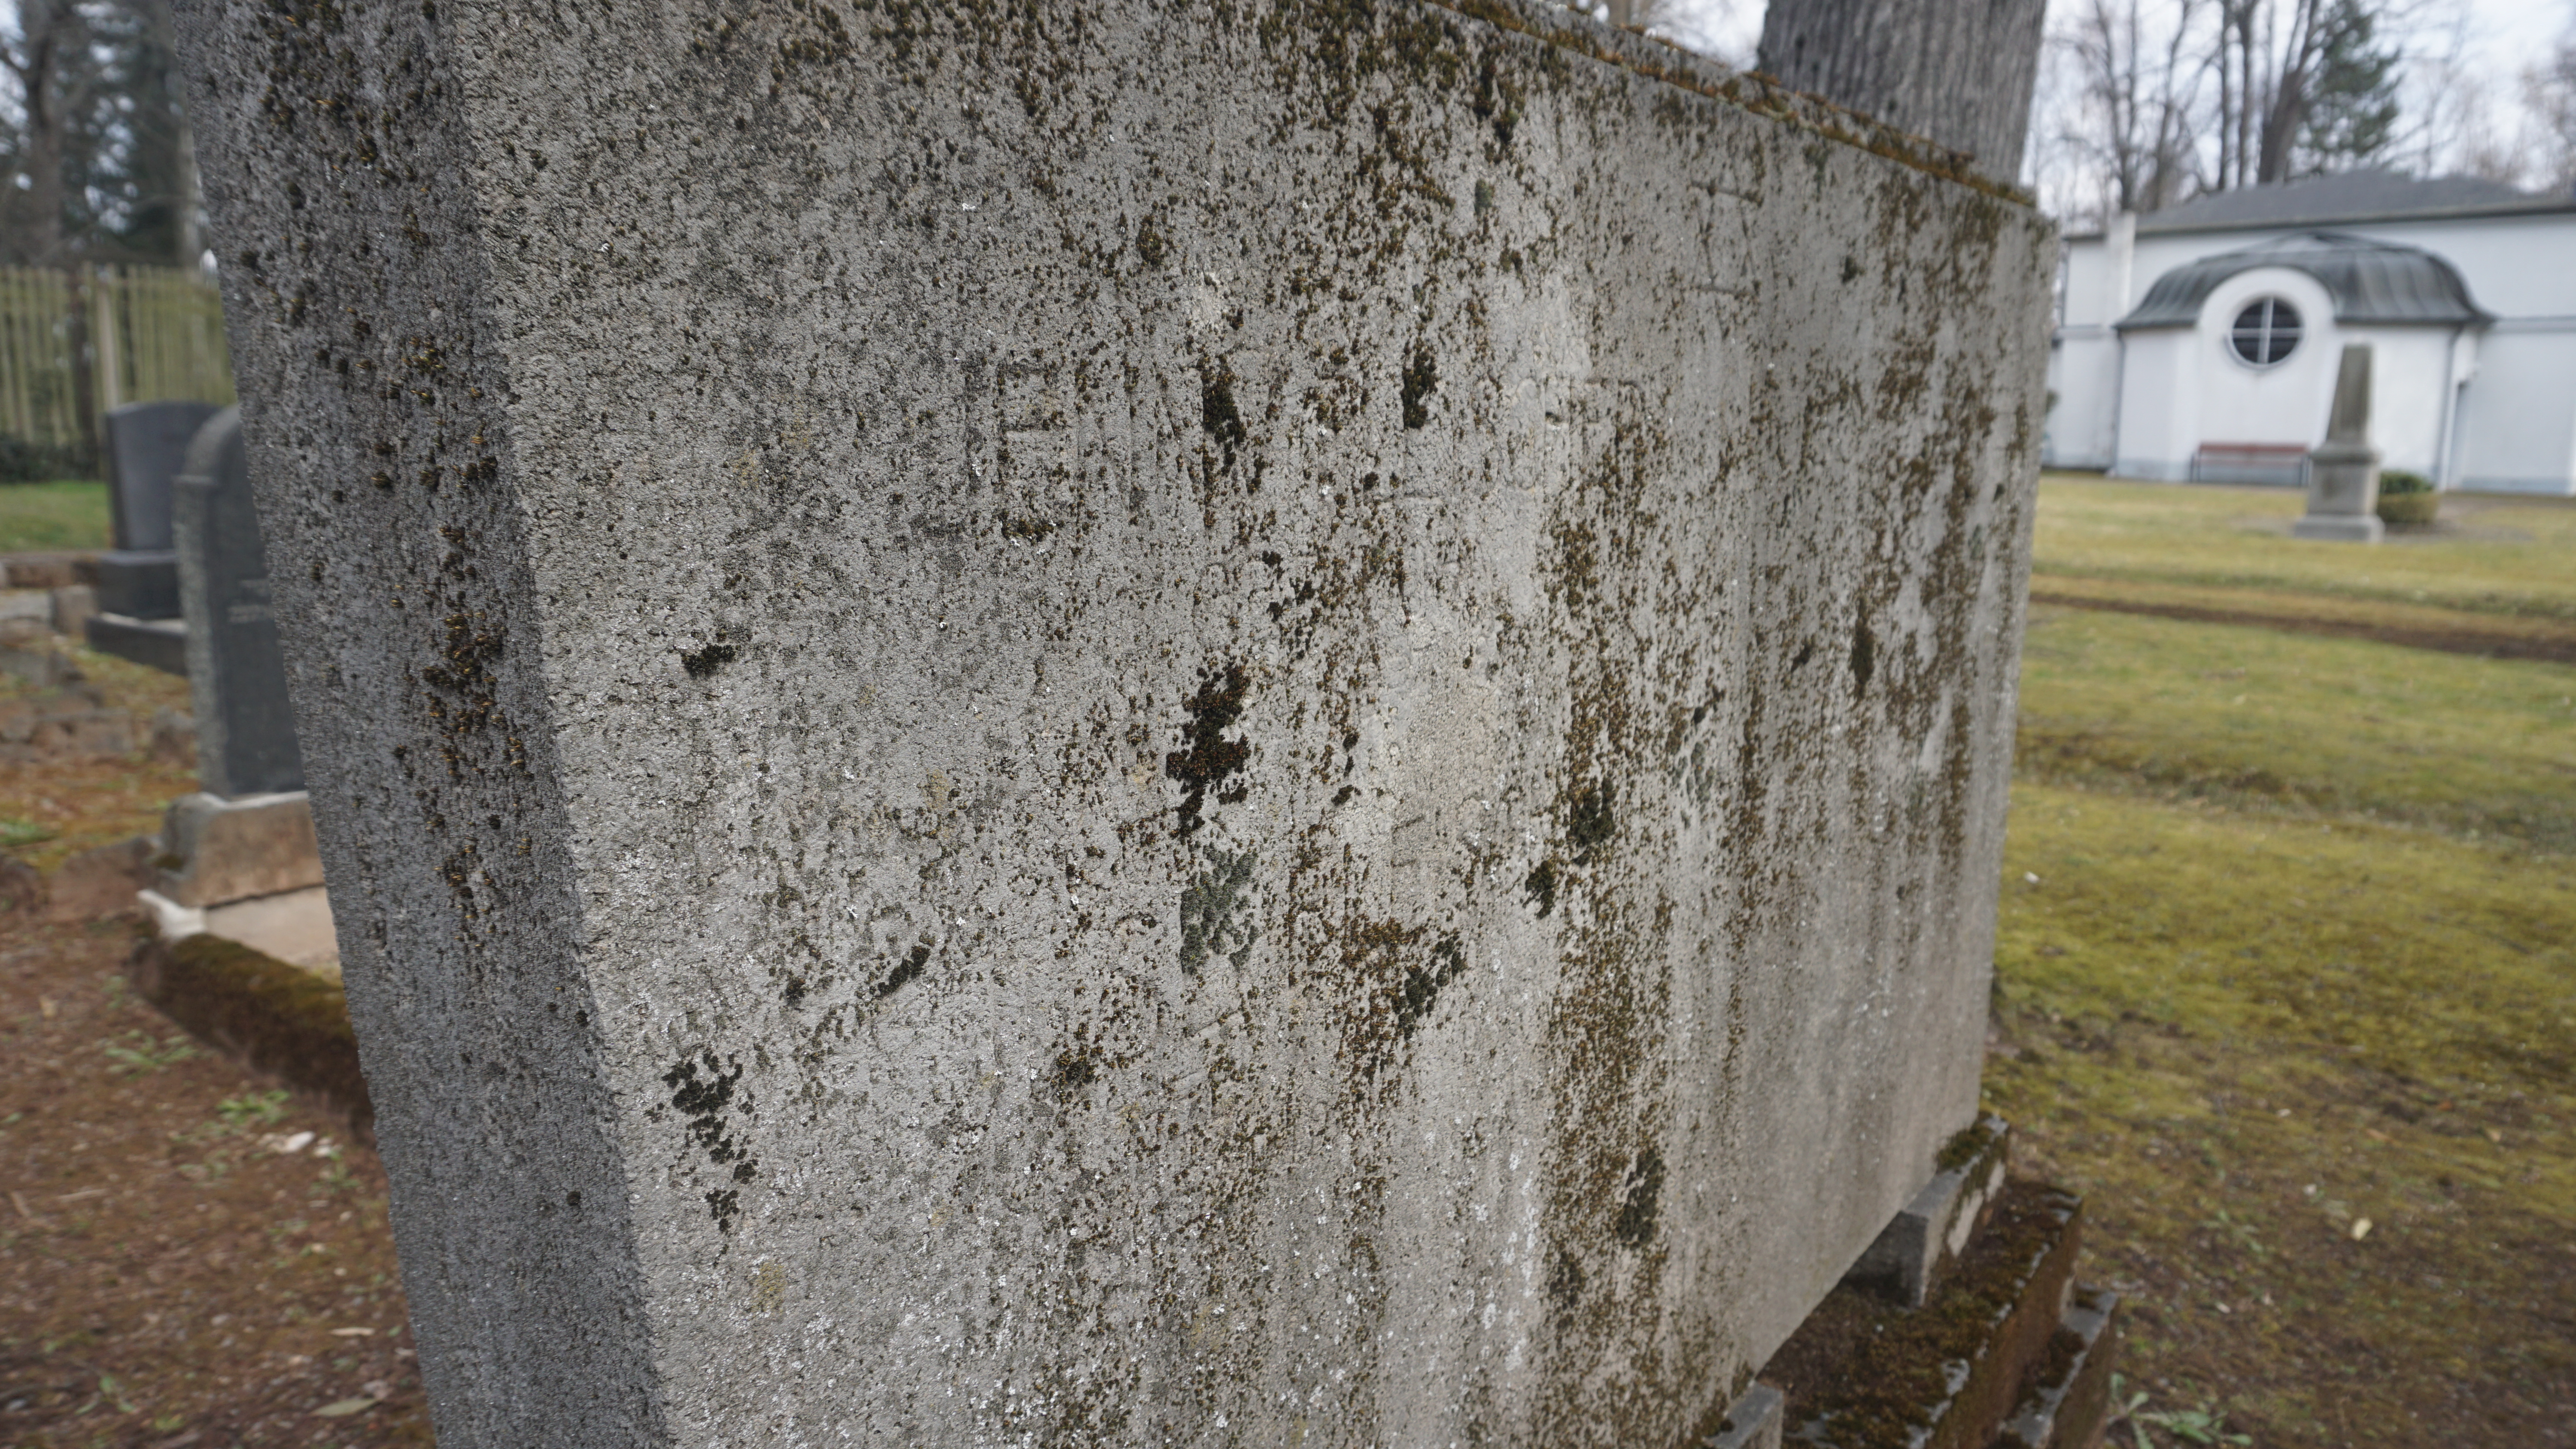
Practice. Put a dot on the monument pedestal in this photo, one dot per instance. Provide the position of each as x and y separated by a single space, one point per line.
2339 529
139 583
247 870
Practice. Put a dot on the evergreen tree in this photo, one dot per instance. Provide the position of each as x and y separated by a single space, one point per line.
2352 107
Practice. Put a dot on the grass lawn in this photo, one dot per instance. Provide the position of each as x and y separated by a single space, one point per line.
2488 554
38 516
2258 718
2286 977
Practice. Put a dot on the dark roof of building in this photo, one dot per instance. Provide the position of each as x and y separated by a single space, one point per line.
2366 195
2370 281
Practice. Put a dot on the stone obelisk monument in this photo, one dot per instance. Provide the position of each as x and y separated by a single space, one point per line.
2343 472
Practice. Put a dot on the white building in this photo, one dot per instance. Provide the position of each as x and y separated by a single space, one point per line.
2201 342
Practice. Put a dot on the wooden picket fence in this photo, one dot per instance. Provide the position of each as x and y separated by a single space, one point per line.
158 336
155 334
38 403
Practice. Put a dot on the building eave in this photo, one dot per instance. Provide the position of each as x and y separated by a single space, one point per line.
2147 225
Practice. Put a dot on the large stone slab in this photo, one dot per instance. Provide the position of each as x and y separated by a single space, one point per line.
1275 723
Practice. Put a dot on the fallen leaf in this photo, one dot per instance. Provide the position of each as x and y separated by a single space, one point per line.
344 1408
2360 1229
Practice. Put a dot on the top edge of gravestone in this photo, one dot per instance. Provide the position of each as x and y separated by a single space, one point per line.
1661 60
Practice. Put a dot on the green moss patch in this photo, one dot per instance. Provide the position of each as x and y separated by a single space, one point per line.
1862 1373
2286 973
278 1018
2241 1037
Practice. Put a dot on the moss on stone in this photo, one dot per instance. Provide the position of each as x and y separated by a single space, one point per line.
278 1018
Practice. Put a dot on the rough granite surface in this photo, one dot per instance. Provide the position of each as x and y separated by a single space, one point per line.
1269 723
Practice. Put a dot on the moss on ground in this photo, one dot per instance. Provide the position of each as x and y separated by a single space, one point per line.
2241 1037
2286 975
275 1017
40 516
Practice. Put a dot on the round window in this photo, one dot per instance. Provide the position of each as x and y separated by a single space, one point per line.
2266 332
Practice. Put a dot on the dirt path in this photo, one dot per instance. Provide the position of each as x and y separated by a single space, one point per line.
2450 631
187 1255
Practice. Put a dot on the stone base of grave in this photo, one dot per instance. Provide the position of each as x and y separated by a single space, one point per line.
48 570
139 583
2071 1400
217 850
279 1018
2004 1351
156 643
1751 1422
2337 528
293 926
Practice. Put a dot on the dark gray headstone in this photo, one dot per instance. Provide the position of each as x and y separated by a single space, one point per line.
245 727
146 444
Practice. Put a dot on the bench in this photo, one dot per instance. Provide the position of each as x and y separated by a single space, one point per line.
2279 464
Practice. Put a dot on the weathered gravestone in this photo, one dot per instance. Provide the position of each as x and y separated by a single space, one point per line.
249 832
138 580
1268 723
245 723
2343 471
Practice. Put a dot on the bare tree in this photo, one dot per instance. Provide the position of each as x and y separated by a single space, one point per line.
2138 91
2549 88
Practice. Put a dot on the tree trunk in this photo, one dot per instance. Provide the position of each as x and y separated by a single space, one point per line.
185 246
1956 72
48 28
